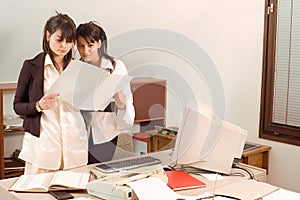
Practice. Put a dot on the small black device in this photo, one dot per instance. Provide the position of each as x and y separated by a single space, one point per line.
168 168
61 195
250 146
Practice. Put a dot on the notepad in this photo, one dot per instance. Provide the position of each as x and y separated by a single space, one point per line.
180 180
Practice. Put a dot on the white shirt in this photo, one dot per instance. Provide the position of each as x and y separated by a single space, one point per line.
107 125
63 138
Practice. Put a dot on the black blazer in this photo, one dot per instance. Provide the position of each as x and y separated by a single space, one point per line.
29 91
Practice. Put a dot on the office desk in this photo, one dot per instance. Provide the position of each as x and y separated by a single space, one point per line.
165 158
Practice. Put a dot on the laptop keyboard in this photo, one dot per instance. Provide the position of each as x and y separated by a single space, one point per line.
128 164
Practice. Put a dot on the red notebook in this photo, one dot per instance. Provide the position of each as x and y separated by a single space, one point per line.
180 180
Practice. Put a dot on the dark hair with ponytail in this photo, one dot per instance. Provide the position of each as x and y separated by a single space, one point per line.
68 31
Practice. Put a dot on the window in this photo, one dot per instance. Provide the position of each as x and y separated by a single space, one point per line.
280 97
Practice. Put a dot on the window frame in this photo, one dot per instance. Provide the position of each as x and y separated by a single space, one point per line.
268 129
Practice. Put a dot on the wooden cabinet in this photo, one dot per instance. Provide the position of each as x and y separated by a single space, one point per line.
161 142
155 141
3 88
149 100
257 156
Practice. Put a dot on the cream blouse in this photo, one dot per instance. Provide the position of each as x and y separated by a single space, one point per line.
63 139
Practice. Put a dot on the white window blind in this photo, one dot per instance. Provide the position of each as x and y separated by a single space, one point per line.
286 99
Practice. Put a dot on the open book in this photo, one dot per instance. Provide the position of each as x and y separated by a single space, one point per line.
60 180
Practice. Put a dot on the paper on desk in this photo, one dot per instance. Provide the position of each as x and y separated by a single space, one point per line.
282 194
206 194
247 189
212 176
152 188
88 87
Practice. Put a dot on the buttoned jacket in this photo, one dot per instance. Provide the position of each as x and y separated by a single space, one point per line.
29 91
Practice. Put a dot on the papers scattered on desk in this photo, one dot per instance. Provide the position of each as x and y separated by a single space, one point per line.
154 188
88 87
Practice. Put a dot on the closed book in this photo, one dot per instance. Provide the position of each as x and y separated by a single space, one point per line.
180 180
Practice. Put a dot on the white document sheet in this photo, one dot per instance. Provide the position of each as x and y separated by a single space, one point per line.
88 87
212 176
152 188
282 194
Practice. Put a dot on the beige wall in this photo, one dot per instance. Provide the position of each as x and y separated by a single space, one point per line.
229 31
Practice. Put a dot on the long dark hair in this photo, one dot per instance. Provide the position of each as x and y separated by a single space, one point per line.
68 31
92 32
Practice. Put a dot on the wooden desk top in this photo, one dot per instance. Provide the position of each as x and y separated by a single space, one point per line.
259 149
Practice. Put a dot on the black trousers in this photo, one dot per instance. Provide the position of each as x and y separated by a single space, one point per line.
101 152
